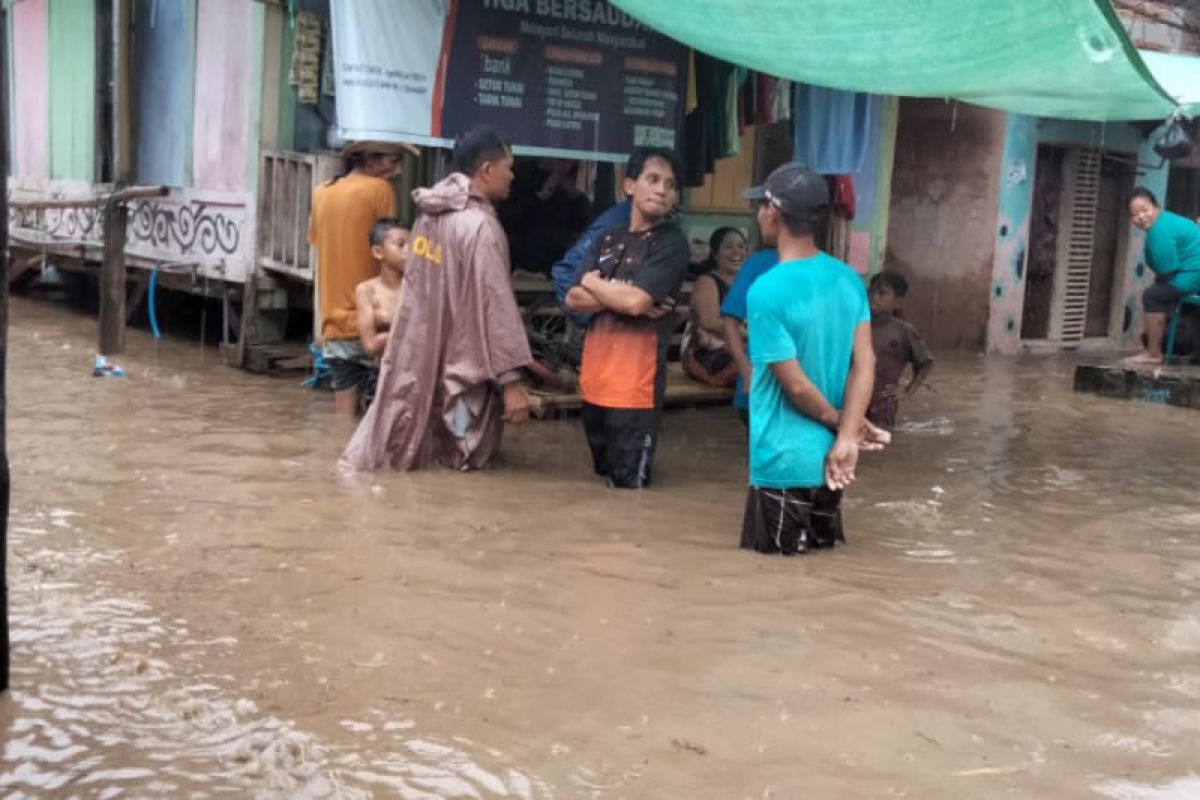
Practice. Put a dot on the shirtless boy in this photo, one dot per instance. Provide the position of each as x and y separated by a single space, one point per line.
378 298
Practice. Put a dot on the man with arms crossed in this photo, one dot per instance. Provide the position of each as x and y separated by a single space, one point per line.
628 284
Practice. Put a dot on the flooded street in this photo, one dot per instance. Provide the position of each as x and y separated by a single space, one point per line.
202 605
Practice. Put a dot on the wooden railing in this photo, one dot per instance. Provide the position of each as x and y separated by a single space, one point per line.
112 212
284 203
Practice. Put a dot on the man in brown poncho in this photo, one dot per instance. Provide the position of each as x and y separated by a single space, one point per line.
449 375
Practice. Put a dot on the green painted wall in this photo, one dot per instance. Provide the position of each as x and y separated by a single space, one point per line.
72 100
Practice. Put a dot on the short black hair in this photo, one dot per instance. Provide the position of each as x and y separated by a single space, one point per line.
379 230
476 147
1145 194
808 225
891 280
639 157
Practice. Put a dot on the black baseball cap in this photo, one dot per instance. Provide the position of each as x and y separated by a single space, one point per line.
796 190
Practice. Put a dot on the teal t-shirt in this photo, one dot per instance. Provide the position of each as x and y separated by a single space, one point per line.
1173 250
806 310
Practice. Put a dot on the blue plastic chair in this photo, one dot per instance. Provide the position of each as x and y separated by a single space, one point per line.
1186 300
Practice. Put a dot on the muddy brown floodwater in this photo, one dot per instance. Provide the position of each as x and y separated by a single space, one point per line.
202 606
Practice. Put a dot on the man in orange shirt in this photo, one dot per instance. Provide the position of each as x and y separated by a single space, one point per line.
343 211
628 283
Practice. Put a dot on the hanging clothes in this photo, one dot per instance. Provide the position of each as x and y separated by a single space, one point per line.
744 78
706 128
691 83
833 128
748 102
305 73
764 99
844 200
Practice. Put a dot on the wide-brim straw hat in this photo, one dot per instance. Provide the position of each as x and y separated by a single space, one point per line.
384 148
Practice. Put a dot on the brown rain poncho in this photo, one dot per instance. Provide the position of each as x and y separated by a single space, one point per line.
456 334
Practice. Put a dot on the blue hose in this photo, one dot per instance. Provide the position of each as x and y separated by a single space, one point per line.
151 309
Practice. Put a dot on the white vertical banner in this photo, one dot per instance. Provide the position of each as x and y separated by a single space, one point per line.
386 56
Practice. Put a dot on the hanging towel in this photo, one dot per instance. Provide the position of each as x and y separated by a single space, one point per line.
747 102
733 133
765 99
781 101
691 82
833 128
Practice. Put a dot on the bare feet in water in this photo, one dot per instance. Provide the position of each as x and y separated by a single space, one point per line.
1144 359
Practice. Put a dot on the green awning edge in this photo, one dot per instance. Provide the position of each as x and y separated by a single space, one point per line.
1131 52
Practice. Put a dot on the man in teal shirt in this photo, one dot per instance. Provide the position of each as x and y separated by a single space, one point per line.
1173 253
812 370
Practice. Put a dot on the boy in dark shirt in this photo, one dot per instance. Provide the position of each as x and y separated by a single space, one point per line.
897 343
628 284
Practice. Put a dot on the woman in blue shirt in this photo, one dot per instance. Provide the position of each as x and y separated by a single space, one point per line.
1173 253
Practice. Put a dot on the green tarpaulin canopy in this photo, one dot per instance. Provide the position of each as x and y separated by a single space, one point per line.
1054 58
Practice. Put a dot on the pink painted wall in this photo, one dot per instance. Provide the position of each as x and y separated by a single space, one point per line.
29 89
221 131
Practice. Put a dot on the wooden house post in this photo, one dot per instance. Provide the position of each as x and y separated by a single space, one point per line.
112 280
116 215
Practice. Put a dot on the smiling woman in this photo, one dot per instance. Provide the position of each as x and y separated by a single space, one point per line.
1173 254
705 355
